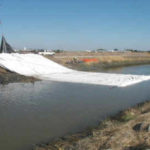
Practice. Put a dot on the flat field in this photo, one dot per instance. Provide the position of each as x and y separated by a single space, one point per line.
75 60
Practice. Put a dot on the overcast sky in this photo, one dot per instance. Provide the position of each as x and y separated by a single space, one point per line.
76 24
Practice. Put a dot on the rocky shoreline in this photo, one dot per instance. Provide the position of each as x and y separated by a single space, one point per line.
128 130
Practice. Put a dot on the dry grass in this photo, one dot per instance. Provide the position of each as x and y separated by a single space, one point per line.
10 77
106 59
115 133
3 71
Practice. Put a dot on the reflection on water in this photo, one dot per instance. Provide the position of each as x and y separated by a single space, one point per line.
138 70
32 113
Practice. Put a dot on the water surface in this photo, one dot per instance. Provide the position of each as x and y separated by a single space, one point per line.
138 70
33 113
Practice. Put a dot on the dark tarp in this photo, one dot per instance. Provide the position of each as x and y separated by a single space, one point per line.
5 47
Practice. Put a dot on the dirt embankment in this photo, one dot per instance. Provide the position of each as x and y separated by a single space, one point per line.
75 60
128 130
10 77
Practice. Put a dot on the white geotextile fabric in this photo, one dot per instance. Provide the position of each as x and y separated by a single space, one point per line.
45 69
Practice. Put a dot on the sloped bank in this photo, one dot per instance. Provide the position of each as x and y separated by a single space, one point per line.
102 67
45 69
104 60
11 77
128 130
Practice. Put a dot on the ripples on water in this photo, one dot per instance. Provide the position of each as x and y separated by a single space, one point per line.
32 113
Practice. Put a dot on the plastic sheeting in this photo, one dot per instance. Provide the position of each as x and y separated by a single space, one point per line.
45 69
5 47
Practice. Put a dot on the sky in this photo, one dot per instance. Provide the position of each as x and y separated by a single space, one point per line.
76 24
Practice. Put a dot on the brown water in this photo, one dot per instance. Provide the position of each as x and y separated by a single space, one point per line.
33 113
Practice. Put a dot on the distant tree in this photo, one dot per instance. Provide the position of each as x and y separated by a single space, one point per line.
129 50
100 49
115 49
133 50
58 51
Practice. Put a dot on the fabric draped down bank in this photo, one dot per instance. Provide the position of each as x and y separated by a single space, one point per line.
45 69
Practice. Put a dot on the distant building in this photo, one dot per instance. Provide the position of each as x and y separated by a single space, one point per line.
110 50
24 48
47 52
89 51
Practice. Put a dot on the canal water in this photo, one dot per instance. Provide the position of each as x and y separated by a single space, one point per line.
34 113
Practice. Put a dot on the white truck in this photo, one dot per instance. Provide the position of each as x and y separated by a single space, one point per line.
47 53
